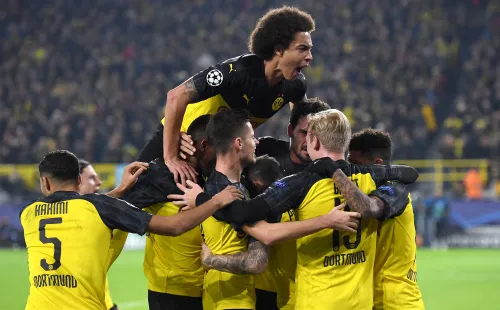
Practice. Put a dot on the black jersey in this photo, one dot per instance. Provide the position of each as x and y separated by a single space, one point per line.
240 83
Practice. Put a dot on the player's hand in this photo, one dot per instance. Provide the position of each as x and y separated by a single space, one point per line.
205 254
186 145
187 200
340 220
130 175
325 167
181 170
228 195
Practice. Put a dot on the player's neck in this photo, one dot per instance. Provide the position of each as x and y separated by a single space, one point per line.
333 155
63 188
230 166
273 74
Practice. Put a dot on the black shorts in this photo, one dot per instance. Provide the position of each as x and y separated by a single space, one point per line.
164 301
153 148
265 300
114 307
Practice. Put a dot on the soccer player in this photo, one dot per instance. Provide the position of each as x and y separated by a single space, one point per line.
326 259
395 262
90 184
172 265
261 83
68 235
235 150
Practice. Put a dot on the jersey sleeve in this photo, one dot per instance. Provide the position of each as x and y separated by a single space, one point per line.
287 194
215 80
119 214
395 197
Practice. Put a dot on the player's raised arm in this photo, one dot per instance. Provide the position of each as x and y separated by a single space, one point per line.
177 101
118 214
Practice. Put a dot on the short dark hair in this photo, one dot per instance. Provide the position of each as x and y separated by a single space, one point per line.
224 127
266 168
198 128
82 163
276 30
305 108
372 144
60 165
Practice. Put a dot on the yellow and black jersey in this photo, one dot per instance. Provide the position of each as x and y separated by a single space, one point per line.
223 290
240 83
68 239
328 259
173 264
395 264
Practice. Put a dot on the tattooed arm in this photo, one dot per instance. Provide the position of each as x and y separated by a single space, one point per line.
369 207
177 101
254 261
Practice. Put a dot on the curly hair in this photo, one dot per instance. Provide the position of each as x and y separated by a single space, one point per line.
276 29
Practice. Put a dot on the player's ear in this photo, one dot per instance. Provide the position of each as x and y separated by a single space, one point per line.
203 145
316 143
239 143
279 51
289 130
379 161
44 181
79 180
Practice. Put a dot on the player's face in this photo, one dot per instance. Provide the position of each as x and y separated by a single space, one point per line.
297 56
357 158
311 142
248 143
298 140
90 181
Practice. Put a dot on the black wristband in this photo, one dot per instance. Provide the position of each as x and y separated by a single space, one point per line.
202 198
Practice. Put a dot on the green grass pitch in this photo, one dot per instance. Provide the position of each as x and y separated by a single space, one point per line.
450 280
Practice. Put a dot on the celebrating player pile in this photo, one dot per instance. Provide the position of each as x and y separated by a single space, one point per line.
297 228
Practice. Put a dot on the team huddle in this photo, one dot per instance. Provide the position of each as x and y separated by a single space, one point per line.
234 221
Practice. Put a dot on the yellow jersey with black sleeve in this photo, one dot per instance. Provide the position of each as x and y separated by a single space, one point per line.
173 264
240 83
325 260
395 264
335 269
223 290
68 238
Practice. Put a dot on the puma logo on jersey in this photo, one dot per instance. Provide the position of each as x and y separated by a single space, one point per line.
247 99
231 68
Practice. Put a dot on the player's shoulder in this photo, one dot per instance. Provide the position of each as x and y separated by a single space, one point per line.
297 88
301 179
247 64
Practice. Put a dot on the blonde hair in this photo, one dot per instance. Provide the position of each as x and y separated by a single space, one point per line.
332 129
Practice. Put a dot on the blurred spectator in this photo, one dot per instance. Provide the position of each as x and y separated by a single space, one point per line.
473 185
437 217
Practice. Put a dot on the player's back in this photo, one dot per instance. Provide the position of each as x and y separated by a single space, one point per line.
67 244
395 264
173 264
335 269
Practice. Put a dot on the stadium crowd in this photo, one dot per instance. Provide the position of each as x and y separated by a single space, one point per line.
92 76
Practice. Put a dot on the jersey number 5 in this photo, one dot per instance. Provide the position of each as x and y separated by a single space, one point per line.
347 243
56 242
